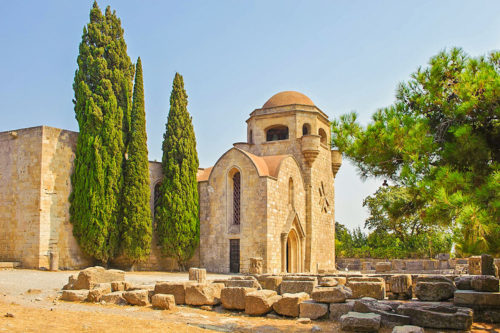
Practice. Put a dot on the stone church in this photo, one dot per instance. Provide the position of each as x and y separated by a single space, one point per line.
271 197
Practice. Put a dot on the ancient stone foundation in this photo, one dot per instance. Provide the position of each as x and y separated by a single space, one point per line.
440 302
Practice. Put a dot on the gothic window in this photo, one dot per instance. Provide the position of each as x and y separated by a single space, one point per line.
306 129
290 192
322 134
277 133
236 198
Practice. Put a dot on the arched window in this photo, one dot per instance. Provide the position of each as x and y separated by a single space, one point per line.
277 133
156 197
322 134
306 129
250 137
290 192
236 198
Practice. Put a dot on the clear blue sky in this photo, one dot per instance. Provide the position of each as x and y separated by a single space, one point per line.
345 55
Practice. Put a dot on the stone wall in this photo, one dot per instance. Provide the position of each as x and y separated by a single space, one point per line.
35 183
20 169
56 231
216 218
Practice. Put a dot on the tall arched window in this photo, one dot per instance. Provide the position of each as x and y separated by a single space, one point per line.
156 197
290 191
236 198
322 134
277 133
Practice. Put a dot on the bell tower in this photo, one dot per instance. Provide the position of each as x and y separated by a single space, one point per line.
290 124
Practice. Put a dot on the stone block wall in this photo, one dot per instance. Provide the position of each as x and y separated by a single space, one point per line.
20 170
216 229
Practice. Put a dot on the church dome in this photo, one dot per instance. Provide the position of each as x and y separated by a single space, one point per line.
287 98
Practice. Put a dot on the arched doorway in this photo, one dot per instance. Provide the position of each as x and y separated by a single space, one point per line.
292 252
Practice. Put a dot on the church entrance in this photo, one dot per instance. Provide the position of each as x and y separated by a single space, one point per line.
292 252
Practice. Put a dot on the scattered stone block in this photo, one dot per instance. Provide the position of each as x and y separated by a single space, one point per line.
256 265
360 322
120 286
331 294
198 274
477 298
115 297
297 286
375 289
464 282
260 302
407 329
312 309
288 305
475 265
328 281
71 282
388 316
233 298
401 286
204 294
337 310
248 283
271 282
437 315
382 267
434 288
91 276
98 291
485 283
487 265
178 289
136 297
163 301
74 295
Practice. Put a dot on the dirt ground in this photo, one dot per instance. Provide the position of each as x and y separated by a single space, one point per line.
29 303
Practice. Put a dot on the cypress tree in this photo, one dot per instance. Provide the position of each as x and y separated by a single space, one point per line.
177 214
136 224
102 85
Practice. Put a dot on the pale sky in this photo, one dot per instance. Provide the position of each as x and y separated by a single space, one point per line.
234 55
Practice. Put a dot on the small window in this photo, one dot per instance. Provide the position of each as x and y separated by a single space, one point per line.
277 133
250 137
306 129
290 192
322 134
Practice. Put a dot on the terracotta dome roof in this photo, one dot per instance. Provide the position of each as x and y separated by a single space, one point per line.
287 98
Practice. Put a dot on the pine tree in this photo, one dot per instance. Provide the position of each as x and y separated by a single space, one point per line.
102 85
177 214
136 224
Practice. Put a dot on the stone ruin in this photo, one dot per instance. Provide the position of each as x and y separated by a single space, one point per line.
359 302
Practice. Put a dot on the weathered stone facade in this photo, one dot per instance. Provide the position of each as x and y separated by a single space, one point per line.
271 197
286 196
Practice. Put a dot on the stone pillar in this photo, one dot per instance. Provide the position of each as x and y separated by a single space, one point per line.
198 274
283 252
